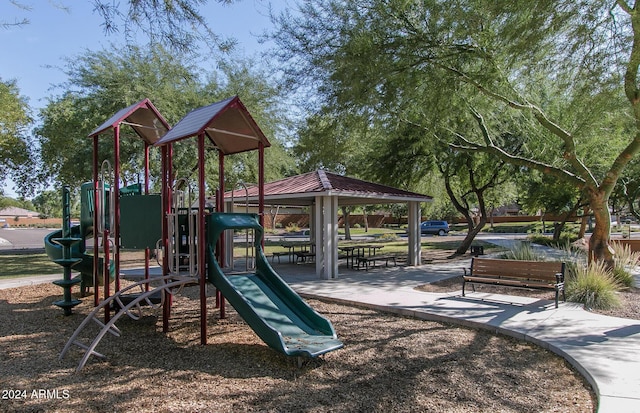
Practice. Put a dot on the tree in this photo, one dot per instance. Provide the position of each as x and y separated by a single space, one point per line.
101 83
49 203
335 142
177 24
469 181
16 158
551 196
493 61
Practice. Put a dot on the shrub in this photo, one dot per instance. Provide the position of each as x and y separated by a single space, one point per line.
593 286
388 237
523 251
566 238
292 227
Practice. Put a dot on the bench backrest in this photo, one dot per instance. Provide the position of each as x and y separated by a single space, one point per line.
534 270
633 244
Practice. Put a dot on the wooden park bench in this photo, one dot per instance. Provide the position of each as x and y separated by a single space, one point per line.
540 275
632 244
371 260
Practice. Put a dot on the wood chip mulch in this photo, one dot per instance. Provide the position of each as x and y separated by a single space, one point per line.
389 363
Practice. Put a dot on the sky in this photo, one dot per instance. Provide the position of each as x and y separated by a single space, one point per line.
33 54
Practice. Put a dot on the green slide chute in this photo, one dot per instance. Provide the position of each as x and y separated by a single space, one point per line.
278 315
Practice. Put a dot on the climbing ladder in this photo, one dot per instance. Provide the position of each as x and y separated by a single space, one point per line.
132 308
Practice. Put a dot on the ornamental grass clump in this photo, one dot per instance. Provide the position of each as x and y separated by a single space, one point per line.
523 251
388 237
594 286
624 260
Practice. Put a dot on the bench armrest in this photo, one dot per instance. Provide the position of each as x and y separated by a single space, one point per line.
465 271
560 277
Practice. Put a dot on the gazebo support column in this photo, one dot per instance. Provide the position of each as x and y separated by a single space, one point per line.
318 238
327 239
414 234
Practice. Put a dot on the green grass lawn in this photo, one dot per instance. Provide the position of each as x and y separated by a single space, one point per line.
25 265
29 264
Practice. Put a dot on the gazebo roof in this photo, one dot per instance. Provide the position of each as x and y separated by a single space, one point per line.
228 125
301 190
143 117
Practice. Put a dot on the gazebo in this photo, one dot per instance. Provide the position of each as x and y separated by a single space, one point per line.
323 192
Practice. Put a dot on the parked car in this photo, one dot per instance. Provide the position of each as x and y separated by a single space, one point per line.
434 227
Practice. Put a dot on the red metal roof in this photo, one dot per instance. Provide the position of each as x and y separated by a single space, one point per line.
228 124
143 117
302 190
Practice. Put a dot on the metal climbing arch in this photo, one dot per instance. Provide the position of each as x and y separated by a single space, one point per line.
127 304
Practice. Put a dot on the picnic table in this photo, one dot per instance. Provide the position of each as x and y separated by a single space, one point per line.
296 249
354 252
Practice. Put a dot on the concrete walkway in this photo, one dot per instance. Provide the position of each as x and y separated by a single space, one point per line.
603 349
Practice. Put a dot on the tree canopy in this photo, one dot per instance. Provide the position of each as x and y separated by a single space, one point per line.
558 76
176 24
16 157
101 83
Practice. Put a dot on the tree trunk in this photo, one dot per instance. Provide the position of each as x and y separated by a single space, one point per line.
599 248
274 215
583 223
474 229
345 215
558 227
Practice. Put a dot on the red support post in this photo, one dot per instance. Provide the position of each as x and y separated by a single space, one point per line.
222 257
261 185
166 209
96 270
146 168
202 239
146 267
105 275
116 202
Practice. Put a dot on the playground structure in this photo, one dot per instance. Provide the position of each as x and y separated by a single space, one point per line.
190 238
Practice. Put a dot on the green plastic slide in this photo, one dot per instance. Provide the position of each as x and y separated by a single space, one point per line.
280 317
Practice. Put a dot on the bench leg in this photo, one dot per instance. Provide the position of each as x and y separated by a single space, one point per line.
463 284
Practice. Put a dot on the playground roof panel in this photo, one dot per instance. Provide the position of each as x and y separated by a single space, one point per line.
301 190
143 117
228 125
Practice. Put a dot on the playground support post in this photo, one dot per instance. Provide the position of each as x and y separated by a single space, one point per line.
201 239
166 209
116 202
220 208
96 247
146 168
105 272
261 185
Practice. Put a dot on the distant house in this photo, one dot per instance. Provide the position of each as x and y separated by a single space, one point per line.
10 213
